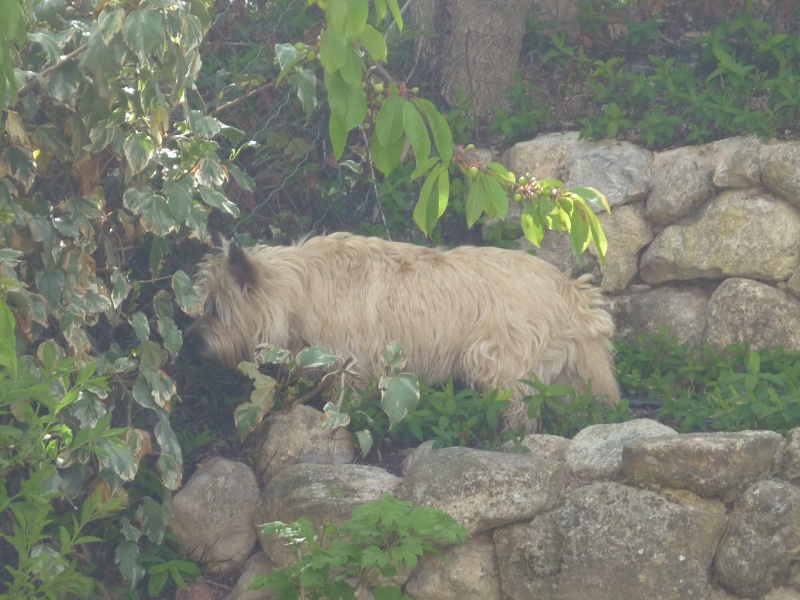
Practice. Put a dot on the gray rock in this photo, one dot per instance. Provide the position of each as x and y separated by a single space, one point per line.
681 183
619 170
257 564
612 542
481 489
745 311
298 436
322 494
737 162
740 233
213 514
596 451
761 546
682 310
545 157
551 447
466 572
711 465
787 460
627 233
780 170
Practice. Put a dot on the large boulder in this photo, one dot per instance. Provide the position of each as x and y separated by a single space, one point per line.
612 542
738 234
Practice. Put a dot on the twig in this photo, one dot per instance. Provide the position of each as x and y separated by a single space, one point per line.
237 101
61 62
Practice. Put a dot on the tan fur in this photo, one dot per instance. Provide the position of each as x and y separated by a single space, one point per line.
487 316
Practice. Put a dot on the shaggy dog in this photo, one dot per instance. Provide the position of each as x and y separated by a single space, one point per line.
487 316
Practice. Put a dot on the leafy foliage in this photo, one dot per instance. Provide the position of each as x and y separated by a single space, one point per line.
380 540
738 78
728 390
39 540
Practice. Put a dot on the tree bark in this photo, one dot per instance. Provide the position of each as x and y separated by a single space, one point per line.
475 51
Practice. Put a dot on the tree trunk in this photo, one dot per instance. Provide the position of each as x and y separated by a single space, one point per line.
475 52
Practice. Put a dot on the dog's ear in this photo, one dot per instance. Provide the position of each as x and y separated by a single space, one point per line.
240 267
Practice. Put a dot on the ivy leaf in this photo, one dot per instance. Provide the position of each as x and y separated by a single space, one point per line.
399 396
203 124
150 516
209 172
242 178
169 332
185 294
170 459
139 151
314 358
152 208
179 198
306 83
364 438
18 162
246 418
8 346
127 557
110 22
118 458
217 200
144 32
46 40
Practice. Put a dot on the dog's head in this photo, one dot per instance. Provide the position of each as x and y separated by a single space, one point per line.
225 331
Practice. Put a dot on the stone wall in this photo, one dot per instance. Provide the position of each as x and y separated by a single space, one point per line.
704 240
628 511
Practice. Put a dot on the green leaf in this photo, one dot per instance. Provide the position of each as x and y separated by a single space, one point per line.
389 121
386 158
179 198
169 332
185 294
599 238
532 227
213 198
314 358
203 125
46 40
139 151
348 102
153 519
332 50
118 458
397 14
140 326
306 83
374 43
153 210
209 172
364 438
580 233
8 346
431 206
417 134
246 417
144 32
110 22
338 133
476 201
442 135
497 198
127 557
242 178
19 164
347 17
334 418
596 200
157 251
394 356
170 459
399 396
120 289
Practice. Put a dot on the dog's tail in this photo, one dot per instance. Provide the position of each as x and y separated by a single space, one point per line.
593 353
